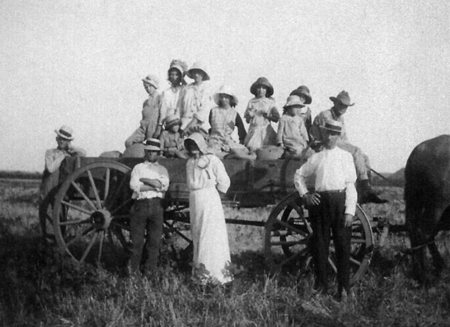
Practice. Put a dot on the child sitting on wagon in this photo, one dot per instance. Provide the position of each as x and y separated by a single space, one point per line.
292 134
224 119
261 110
171 140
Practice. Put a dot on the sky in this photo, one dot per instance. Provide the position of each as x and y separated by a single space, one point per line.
81 64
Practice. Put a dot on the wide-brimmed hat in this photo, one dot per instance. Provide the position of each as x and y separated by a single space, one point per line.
333 125
152 80
303 90
264 82
172 120
200 141
65 132
344 98
225 89
152 144
294 101
198 66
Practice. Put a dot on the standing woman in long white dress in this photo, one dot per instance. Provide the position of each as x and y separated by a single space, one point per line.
206 177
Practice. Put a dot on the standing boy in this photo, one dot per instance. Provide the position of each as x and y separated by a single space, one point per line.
331 206
149 182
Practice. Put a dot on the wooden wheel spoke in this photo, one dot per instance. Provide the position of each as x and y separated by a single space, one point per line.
118 190
73 206
121 206
89 247
295 256
287 225
120 237
100 247
356 262
75 222
358 241
333 266
79 236
94 188
108 175
289 243
85 197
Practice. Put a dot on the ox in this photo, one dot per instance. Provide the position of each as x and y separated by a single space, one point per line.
427 197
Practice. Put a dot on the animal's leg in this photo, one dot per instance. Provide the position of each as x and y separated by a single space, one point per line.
413 217
437 259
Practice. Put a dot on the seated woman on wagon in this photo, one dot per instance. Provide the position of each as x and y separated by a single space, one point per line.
196 102
224 119
260 112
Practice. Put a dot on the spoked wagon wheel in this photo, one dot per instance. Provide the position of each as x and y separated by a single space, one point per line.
288 239
96 200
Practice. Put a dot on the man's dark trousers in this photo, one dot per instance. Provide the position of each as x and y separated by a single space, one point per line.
328 216
146 225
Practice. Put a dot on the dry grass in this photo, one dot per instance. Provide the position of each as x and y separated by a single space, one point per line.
41 288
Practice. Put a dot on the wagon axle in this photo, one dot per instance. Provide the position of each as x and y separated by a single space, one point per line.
101 219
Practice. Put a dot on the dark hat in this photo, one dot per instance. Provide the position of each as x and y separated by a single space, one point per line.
343 98
333 125
172 120
303 91
264 82
152 145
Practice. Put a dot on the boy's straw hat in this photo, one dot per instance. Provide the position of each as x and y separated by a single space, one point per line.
65 132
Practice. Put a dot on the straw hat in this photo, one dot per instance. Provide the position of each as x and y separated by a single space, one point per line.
172 120
333 125
198 66
225 89
152 80
303 90
342 97
264 82
152 145
65 132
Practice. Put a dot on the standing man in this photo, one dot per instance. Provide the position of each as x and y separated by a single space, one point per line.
55 157
332 205
341 103
149 182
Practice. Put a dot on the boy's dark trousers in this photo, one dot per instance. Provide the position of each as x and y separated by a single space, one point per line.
328 216
146 225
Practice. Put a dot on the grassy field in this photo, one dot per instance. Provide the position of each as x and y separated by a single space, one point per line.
40 287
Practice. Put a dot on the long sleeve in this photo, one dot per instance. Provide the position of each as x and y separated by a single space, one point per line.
241 128
280 133
222 178
135 183
53 160
162 109
351 195
274 115
307 169
249 112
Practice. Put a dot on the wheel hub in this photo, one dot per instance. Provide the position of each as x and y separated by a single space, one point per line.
101 219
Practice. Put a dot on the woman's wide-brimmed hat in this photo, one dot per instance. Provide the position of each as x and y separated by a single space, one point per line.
264 82
294 101
65 132
198 66
152 144
225 89
152 80
303 90
172 120
333 125
342 97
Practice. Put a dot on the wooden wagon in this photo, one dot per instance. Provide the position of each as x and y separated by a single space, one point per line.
90 210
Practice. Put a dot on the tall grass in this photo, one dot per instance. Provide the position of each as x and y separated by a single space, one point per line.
40 287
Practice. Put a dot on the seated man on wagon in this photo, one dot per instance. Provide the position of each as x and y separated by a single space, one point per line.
341 103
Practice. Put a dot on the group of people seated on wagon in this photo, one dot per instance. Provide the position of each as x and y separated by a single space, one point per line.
182 109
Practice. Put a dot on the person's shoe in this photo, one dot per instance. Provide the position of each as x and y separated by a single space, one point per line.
367 194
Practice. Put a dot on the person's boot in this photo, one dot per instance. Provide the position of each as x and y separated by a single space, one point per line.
366 194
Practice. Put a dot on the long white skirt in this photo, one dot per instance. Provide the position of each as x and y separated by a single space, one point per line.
210 237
